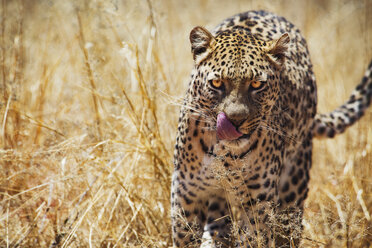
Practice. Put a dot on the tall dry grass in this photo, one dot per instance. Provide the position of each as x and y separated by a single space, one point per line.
90 94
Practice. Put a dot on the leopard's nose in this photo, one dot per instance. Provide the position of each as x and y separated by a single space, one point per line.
237 117
236 111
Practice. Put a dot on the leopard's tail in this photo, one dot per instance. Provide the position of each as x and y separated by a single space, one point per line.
335 122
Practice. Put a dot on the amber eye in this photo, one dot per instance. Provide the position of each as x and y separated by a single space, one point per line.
256 84
216 83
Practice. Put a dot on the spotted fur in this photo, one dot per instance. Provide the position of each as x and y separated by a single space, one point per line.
259 180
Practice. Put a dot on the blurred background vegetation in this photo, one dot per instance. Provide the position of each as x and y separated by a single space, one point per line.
90 93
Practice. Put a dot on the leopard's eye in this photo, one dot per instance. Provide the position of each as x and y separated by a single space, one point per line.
256 84
216 83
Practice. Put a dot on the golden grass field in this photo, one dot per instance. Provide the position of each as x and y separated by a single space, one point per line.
90 94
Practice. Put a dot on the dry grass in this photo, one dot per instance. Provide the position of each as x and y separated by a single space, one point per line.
89 102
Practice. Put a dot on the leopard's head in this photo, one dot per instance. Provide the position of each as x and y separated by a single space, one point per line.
235 81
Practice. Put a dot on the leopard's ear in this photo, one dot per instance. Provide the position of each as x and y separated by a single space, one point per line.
277 49
202 42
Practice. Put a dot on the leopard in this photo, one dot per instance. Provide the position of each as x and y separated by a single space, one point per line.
243 148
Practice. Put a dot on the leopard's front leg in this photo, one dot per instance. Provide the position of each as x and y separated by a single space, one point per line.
188 215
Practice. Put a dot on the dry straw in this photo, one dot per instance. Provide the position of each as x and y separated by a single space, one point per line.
89 102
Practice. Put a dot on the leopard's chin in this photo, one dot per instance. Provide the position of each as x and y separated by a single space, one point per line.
240 142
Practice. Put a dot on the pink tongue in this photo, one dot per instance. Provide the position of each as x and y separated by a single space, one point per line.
225 129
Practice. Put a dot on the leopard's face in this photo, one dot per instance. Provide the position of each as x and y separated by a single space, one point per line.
238 75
